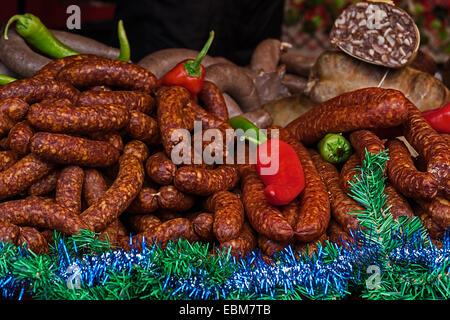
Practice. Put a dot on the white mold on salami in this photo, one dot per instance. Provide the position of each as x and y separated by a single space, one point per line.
378 33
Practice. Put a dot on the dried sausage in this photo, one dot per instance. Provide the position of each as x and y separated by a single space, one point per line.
314 214
263 217
204 181
22 174
118 197
69 188
160 168
65 149
228 214
367 108
342 206
405 177
40 213
80 120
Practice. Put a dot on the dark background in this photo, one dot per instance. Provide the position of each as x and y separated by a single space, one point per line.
152 25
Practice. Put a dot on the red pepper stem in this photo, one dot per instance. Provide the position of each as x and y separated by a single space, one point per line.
193 67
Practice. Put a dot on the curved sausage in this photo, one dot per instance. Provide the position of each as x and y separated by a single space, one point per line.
213 100
69 188
44 185
160 168
145 202
9 232
112 138
6 123
89 73
203 226
173 114
79 120
133 100
161 234
203 181
138 149
405 177
18 56
142 223
314 214
297 64
399 206
263 217
118 197
266 55
94 186
228 215
7 159
33 240
271 247
65 149
36 89
243 244
365 141
170 198
235 82
22 174
430 145
143 127
349 172
438 209
15 108
19 138
85 45
41 213
342 206
367 108
51 69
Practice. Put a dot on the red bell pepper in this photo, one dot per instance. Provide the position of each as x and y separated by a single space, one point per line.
287 181
286 184
439 118
189 73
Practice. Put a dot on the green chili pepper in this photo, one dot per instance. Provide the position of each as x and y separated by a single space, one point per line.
36 33
254 135
123 41
6 79
335 148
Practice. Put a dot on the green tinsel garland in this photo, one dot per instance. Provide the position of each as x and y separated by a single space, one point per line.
399 249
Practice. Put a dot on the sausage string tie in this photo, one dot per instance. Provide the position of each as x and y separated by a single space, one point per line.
383 78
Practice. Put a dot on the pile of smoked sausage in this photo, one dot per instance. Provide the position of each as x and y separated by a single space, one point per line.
86 144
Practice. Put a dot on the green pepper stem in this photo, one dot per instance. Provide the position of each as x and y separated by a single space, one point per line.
124 44
14 18
193 67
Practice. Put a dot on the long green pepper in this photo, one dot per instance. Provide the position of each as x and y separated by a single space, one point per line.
36 33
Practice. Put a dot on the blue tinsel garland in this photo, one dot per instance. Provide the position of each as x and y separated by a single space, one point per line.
319 276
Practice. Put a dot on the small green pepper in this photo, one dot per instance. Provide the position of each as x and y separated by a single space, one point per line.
6 79
36 33
335 148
